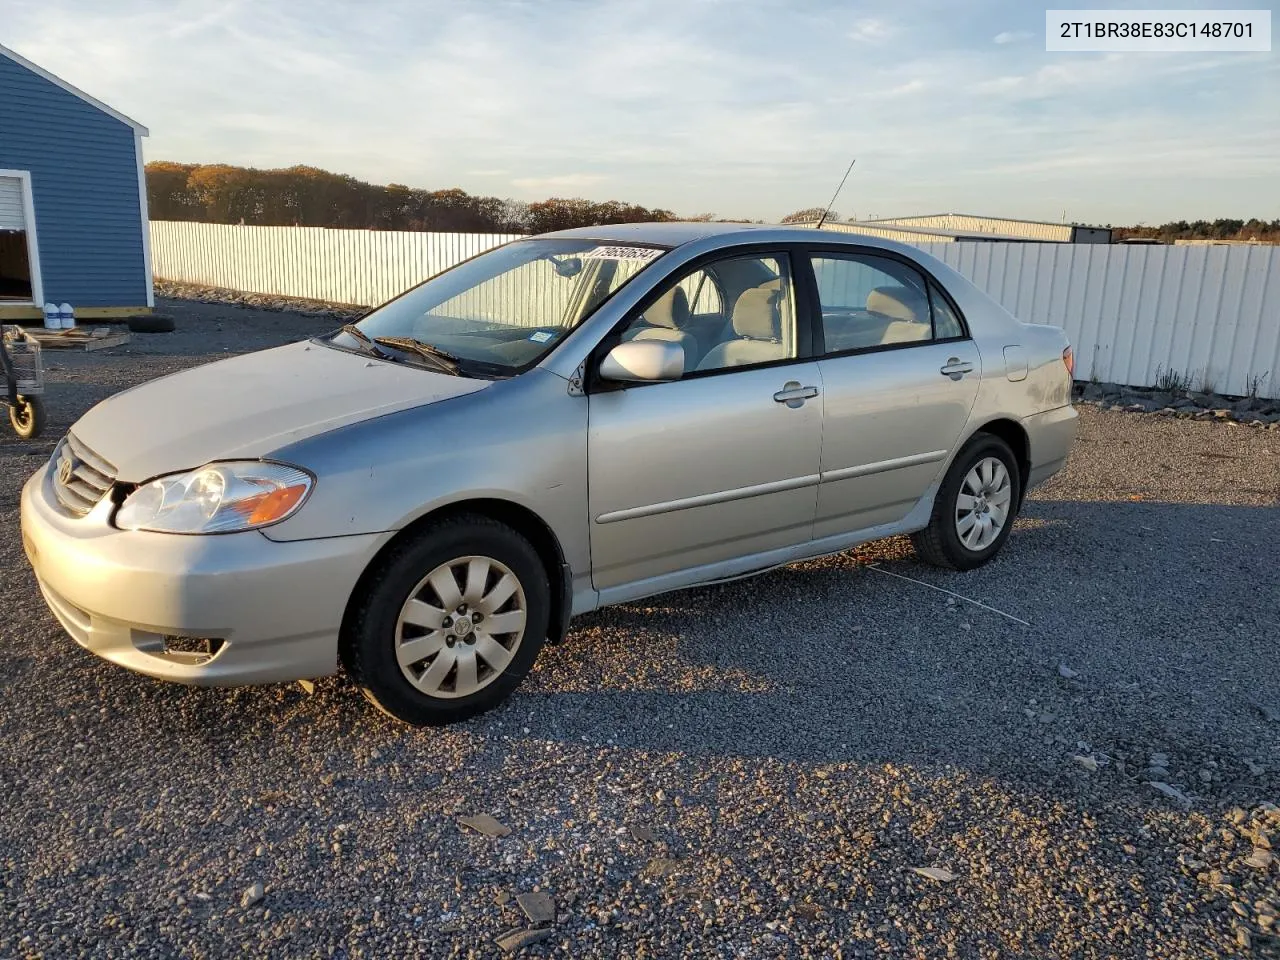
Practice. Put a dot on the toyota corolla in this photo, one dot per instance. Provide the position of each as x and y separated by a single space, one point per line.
426 497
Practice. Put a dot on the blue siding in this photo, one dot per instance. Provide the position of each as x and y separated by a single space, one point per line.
84 183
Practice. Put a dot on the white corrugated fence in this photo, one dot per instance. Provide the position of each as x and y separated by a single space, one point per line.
1208 313
363 267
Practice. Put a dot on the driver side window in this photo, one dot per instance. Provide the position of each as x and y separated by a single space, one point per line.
735 312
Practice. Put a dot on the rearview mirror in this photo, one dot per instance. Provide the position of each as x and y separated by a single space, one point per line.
568 267
643 361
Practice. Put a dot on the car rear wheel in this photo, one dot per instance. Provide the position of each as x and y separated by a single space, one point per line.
448 624
975 506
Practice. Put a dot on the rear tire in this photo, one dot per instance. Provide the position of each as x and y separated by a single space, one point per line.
422 639
974 510
151 323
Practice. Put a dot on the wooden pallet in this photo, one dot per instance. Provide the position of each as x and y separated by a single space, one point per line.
81 338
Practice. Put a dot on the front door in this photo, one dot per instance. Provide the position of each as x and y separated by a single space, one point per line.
721 464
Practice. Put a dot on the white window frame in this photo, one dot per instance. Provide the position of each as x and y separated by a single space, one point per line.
33 242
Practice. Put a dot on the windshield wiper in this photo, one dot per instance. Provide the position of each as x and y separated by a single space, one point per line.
351 330
441 358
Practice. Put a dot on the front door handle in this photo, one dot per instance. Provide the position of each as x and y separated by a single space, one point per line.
955 368
794 395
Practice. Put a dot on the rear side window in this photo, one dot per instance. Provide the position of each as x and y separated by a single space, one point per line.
703 293
946 325
871 302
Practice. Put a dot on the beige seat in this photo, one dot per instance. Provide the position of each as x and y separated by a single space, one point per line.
894 315
666 320
904 311
757 332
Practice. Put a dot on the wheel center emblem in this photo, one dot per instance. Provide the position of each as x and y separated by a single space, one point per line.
462 626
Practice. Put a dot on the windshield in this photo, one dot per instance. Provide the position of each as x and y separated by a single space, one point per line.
501 311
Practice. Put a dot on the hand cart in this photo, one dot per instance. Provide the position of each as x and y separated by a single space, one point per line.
24 381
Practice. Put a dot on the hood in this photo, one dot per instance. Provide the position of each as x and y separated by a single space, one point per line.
250 405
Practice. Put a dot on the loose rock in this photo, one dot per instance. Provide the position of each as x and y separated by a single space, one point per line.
518 938
485 824
252 896
538 907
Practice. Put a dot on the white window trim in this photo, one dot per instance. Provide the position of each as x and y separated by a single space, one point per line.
33 242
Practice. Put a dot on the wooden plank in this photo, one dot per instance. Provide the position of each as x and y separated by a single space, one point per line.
104 313
82 313
99 338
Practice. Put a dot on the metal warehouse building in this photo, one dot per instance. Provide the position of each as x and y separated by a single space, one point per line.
970 225
73 199
890 231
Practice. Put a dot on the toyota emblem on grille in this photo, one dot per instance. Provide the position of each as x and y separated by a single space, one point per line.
66 470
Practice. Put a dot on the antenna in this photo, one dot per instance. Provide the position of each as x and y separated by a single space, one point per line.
823 218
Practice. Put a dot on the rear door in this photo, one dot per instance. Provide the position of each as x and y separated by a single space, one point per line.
899 377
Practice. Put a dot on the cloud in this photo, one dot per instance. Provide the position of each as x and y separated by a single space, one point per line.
871 31
903 89
1013 36
685 108
564 181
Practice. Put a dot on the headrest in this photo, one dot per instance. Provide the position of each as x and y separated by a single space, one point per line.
755 315
900 303
670 310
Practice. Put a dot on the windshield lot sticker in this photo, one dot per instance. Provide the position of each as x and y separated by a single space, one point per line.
541 336
620 253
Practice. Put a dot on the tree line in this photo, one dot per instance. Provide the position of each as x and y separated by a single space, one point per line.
309 197
1267 231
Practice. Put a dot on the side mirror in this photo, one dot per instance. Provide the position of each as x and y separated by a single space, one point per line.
643 361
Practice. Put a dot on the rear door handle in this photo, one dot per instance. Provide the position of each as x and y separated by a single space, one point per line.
955 368
794 395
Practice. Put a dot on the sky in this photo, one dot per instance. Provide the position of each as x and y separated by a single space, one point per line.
741 108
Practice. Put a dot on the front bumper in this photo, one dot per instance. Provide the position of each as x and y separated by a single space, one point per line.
271 610
1051 434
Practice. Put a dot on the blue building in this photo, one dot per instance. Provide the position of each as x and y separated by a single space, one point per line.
73 199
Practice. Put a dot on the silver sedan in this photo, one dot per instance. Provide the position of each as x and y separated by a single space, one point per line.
573 420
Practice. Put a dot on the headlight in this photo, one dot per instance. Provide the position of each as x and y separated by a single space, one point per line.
219 498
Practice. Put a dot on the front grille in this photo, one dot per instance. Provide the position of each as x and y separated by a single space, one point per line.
80 477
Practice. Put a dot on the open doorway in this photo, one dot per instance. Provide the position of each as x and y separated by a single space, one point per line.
19 268
15 267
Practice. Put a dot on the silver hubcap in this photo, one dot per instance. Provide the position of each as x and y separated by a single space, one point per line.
460 627
982 509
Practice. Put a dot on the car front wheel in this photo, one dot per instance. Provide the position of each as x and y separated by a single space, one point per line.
448 624
975 506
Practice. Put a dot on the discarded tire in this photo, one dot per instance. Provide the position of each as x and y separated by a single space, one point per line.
151 323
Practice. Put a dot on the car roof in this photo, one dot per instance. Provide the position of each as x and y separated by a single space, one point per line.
676 233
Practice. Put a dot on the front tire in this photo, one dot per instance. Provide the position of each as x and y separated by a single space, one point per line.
448 624
975 506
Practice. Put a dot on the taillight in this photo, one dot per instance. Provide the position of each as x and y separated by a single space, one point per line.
1069 359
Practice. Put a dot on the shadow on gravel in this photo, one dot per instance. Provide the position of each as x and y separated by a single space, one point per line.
1162 615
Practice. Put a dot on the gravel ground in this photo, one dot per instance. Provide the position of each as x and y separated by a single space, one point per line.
692 775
